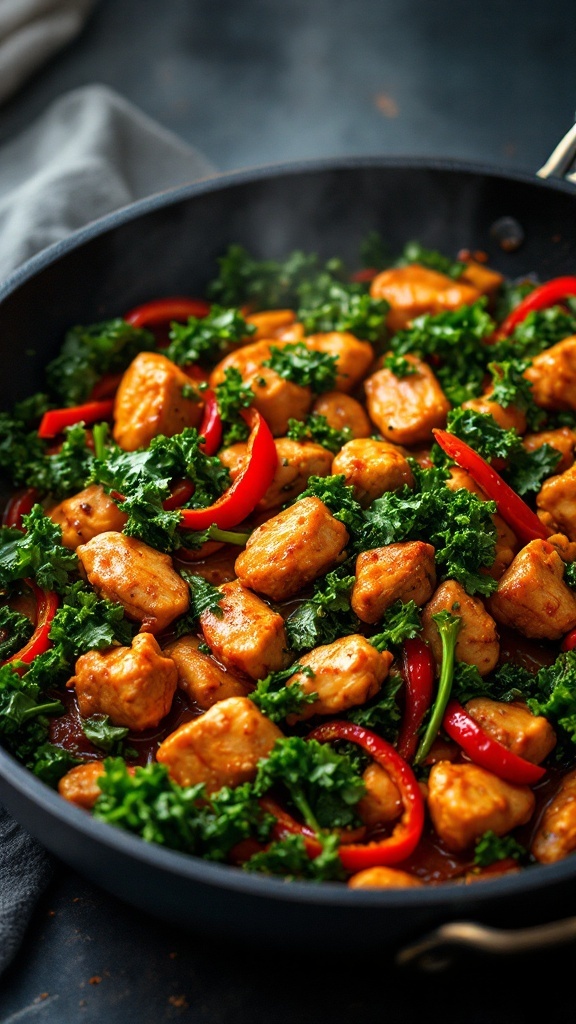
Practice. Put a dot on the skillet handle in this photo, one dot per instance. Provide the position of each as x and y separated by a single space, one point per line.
435 951
561 159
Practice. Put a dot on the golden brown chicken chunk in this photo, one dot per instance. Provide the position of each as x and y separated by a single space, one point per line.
290 550
482 277
270 323
372 467
532 596
220 748
245 635
136 576
201 678
477 642
466 801
85 515
153 399
509 417
404 571
557 501
406 409
382 802
354 357
563 439
277 399
383 878
345 673
414 290
506 541
515 727
297 460
556 834
341 411
134 685
80 785
552 375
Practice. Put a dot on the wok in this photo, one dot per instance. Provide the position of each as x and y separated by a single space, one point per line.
168 244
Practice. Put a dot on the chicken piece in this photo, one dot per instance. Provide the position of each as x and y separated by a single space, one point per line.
565 548
404 571
346 673
297 460
532 596
278 400
290 550
341 411
552 375
372 467
406 409
80 785
269 323
508 417
557 498
134 685
382 802
485 279
477 642
141 579
506 541
87 514
220 748
515 727
414 290
466 801
246 635
200 677
383 878
556 834
153 399
354 357
563 439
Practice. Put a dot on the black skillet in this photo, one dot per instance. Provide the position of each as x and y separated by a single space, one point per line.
169 244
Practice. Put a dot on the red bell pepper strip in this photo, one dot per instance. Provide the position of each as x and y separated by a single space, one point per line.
520 518
364 275
106 387
407 832
181 492
18 506
248 488
487 752
47 602
162 311
548 294
418 669
211 426
54 421
569 641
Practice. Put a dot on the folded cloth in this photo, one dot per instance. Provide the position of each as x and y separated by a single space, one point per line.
89 153
31 31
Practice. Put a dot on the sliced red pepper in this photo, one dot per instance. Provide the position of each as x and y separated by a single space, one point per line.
569 641
180 494
211 426
55 421
18 506
248 488
487 752
407 832
106 387
163 311
520 518
548 294
47 602
365 274
418 670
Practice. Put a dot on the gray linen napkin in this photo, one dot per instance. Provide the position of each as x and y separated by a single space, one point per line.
89 153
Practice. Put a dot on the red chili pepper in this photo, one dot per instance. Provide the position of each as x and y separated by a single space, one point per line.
162 311
418 670
18 506
520 518
211 426
406 835
181 492
106 387
569 641
365 274
543 296
249 486
487 752
54 421
46 606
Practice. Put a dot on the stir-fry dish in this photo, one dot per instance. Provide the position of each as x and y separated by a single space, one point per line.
288 571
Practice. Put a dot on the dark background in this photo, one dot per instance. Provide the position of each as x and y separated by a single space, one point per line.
251 82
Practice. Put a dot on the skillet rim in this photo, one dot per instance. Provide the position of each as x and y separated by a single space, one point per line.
22 782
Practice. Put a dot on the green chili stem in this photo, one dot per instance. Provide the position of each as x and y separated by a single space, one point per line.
448 627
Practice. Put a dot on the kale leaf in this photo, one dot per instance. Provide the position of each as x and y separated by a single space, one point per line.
15 630
317 429
90 351
37 553
289 858
276 700
304 366
326 615
207 339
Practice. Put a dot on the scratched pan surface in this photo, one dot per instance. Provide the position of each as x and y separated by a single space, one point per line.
169 244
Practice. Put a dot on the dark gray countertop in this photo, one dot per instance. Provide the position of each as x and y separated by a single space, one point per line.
266 81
